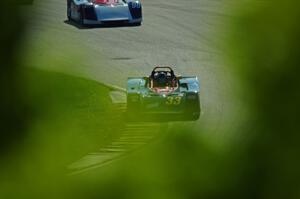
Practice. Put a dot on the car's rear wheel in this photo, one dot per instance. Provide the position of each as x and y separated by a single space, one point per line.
69 11
195 116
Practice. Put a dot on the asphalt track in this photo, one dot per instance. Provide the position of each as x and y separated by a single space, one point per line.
179 33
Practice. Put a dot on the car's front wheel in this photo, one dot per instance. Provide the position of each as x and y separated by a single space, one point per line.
81 17
137 24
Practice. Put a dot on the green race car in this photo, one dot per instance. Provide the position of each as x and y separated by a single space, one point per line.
164 95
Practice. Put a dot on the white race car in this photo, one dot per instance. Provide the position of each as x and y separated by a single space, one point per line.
89 12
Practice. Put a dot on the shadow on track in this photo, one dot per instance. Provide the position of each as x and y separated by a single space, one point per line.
106 25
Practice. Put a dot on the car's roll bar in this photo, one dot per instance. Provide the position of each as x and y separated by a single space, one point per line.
163 67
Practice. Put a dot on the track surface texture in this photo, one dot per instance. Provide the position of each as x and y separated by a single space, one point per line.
177 33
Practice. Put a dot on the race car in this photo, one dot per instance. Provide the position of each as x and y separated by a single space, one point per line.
93 12
164 94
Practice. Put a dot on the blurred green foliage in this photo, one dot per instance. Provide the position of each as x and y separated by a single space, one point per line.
265 49
59 114
70 117
13 110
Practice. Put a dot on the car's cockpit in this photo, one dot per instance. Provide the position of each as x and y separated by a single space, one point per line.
163 79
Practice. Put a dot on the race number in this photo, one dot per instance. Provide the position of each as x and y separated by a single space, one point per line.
173 100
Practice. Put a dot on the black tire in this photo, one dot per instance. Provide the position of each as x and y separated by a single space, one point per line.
194 110
196 116
137 24
69 11
69 16
81 18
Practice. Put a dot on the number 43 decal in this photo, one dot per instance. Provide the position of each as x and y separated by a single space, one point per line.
173 100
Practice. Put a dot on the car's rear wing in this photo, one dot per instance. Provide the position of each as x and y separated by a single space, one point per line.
191 83
162 67
135 83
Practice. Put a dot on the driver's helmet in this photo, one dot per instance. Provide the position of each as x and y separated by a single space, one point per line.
161 79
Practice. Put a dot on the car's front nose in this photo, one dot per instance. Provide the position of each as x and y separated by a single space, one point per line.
112 13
